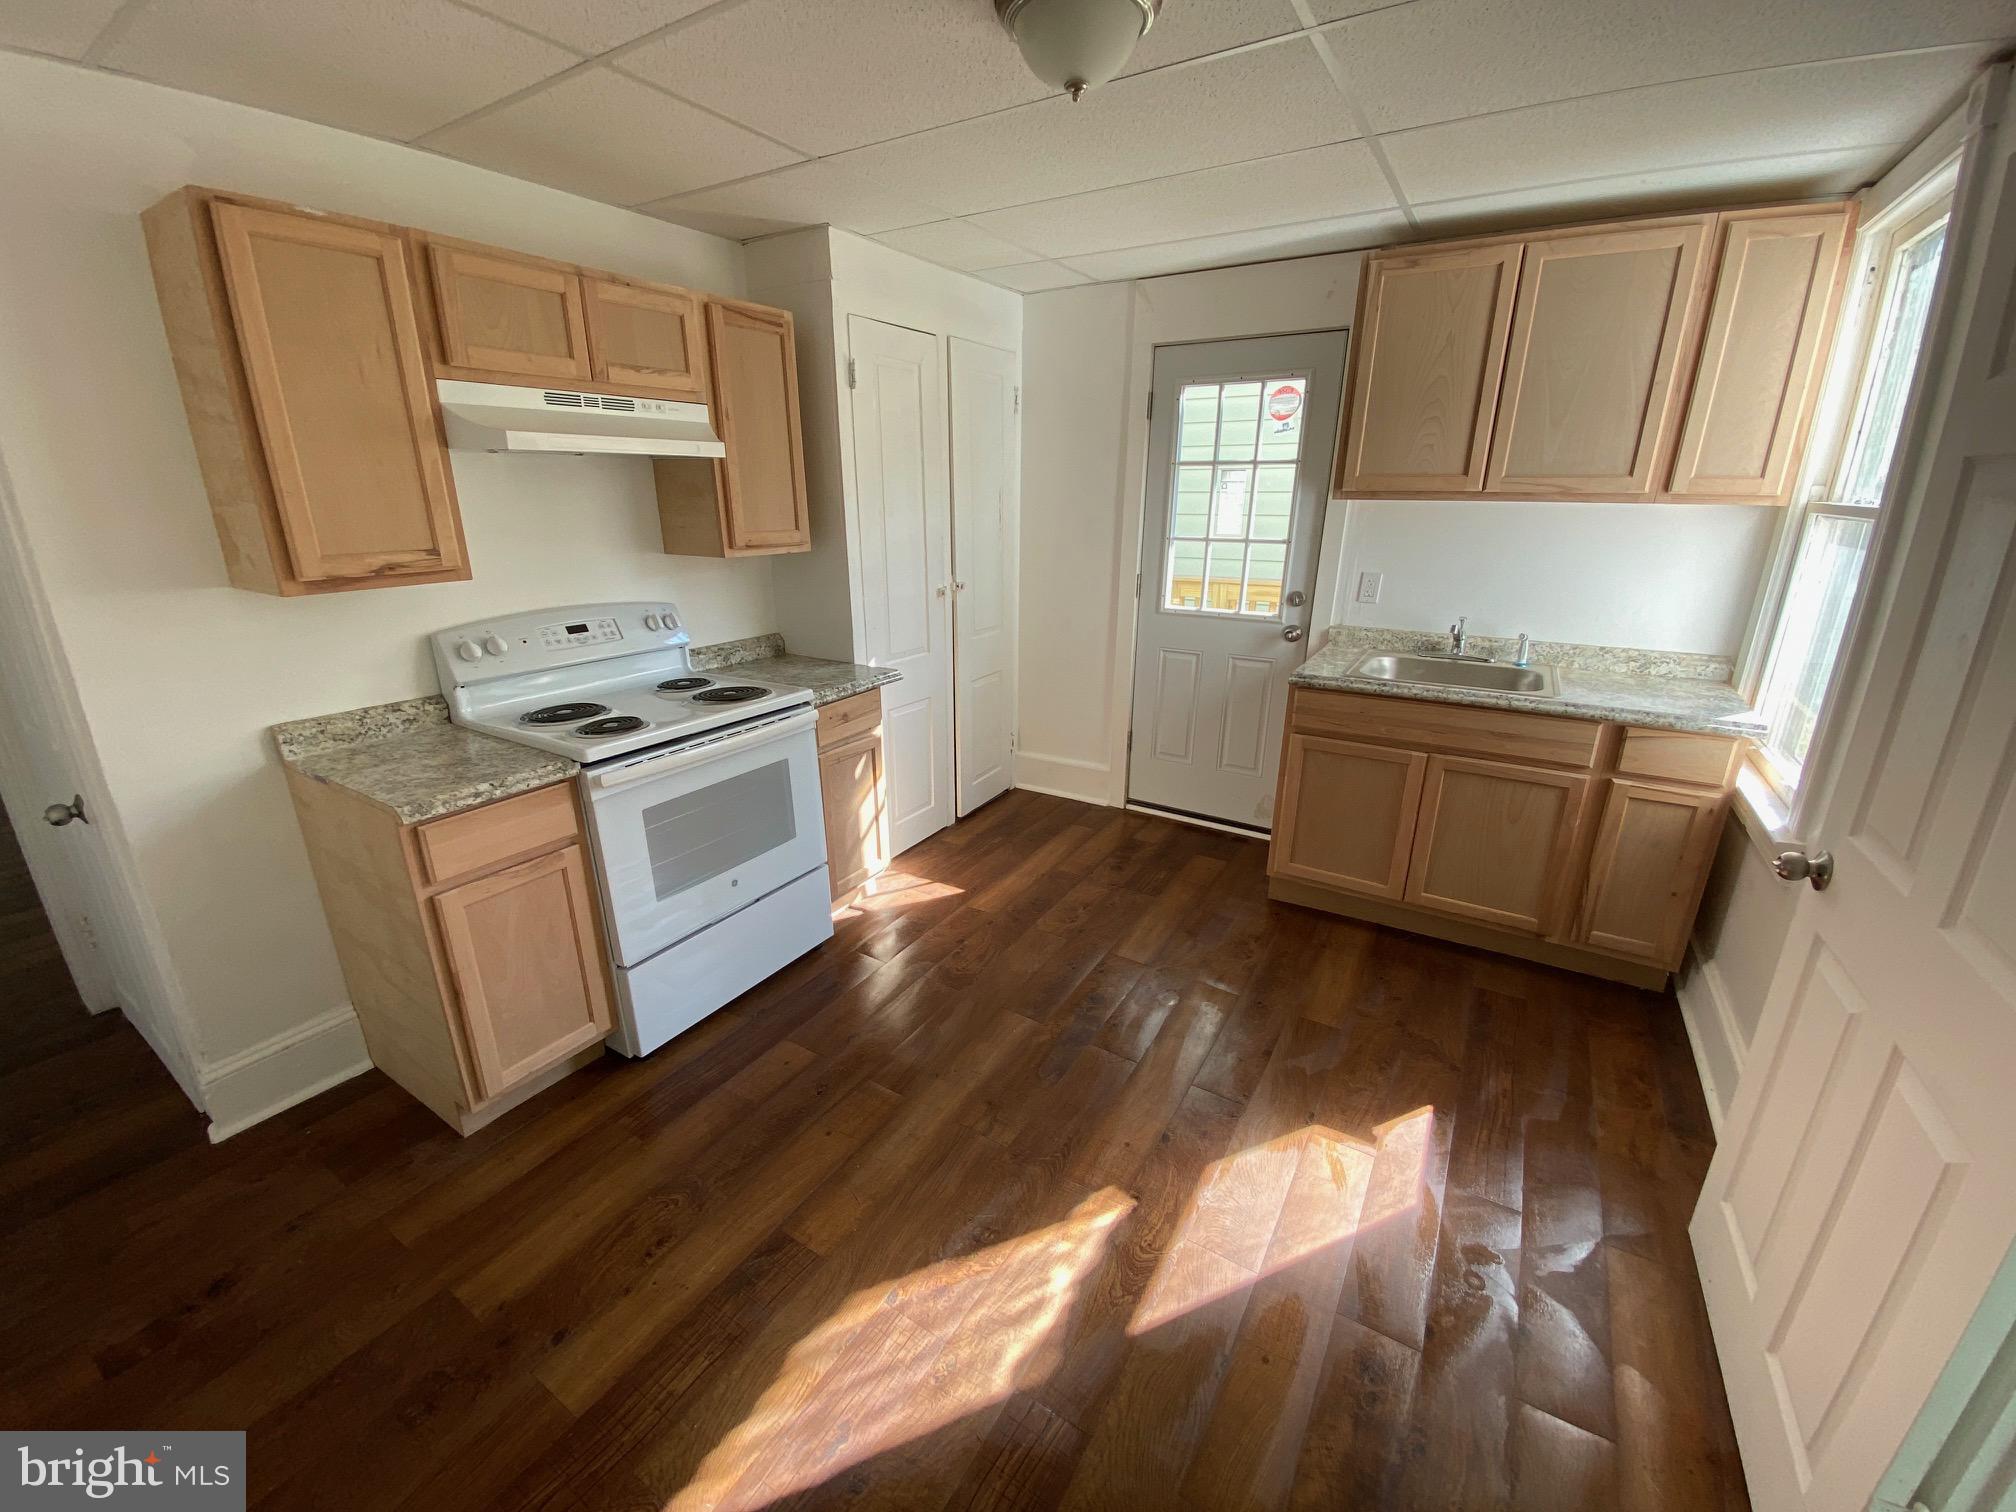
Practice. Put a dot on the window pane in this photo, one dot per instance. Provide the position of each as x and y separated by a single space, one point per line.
1810 628
1899 334
1186 575
1221 590
1281 427
1228 510
1263 579
1192 515
1273 503
1198 421
1239 422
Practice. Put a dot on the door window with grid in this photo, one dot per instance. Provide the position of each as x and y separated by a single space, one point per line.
1232 496
1836 531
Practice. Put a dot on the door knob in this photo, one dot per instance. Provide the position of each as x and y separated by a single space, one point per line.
1797 866
1296 599
1291 632
60 814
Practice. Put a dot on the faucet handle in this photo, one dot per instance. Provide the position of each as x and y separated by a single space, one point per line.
1525 652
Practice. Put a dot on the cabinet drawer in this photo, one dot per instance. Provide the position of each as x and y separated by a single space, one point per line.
849 717
1448 727
1707 759
497 832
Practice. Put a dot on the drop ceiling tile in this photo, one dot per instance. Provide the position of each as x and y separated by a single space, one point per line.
1337 10
955 244
1186 31
815 193
1805 175
1340 234
1861 102
1437 60
393 68
592 26
63 28
1033 277
825 77
610 138
1194 115
1340 179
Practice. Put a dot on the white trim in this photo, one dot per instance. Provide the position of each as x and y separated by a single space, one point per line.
1059 777
1712 1031
1197 821
291 1067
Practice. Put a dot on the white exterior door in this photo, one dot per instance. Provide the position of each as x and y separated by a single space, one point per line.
1864 1191
1239 453
905 523
986 454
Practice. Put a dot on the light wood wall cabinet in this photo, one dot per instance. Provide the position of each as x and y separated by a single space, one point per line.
1573 842
647 338
1676 358
470 944
297 347
751 502
854 791
505 318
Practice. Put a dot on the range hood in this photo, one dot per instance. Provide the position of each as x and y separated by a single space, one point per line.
498 417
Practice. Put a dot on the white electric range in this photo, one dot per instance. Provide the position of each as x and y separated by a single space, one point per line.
701 788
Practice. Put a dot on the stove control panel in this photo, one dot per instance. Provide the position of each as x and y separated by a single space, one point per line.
585 632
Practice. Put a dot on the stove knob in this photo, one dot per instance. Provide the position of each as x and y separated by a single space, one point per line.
495 644
468 650
650 622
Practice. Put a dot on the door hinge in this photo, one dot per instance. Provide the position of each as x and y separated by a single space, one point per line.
1151 404
853 374
1130 742
1018 398
1011 740
1137 585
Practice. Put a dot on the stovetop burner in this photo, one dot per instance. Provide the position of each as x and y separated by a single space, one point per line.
615 724
736 693
685 684
564 713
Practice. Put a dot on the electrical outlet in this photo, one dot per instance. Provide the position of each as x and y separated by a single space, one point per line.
1369 585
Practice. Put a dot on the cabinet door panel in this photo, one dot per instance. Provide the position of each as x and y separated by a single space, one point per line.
756 408
1495 842
1776 293
1347 815
1430 353
1591 379
324 317
854 795
527 963
1653 849
649 338
503 315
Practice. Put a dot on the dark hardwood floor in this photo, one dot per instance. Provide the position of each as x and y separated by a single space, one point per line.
1072 1172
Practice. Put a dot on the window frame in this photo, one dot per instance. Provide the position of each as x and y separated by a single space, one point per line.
1877 264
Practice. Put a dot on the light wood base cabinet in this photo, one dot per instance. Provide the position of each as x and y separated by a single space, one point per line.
1580 844
470 944
854 791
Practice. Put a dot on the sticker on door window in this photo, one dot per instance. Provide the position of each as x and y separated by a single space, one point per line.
1232 496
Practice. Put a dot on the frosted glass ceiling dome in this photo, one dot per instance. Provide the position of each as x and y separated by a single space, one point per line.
1074 44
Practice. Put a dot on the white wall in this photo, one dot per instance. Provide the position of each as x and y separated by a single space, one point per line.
178 674
1666 578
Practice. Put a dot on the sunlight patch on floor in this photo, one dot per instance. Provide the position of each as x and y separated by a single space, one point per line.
895 890
902 1360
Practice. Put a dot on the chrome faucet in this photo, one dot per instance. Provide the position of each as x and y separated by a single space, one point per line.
1525 652
1457 636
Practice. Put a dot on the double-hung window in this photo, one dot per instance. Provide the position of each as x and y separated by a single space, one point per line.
1834 532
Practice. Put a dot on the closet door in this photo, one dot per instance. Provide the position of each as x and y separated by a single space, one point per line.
899 433
1590 401
986 450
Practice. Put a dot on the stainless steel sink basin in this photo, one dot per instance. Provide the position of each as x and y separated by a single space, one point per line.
1449 672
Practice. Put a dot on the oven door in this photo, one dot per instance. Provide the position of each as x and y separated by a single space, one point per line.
687 836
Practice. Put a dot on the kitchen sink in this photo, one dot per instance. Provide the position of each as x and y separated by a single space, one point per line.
1455 672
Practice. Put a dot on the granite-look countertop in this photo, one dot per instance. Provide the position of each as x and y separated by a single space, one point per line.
408 758
764 657
1659 689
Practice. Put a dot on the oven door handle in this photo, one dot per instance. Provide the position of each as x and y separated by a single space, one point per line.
703 751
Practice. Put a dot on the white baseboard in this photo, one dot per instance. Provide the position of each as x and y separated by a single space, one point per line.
289 1068
1712 1031
1063 776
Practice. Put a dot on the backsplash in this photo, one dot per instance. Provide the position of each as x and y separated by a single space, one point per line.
736 653
1626 659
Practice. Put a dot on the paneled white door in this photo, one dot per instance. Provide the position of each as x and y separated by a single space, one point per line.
1864 1191
905 521
1239 452
986 455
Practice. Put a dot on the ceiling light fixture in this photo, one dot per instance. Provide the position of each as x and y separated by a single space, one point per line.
1074 44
